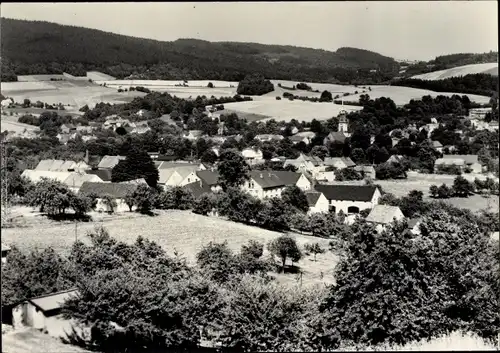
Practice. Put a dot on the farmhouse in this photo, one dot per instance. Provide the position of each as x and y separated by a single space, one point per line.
305 163
268 137
383 215
350 199
335 137
443 162
317 202
178 175
470 160
103 174
109 162
271 183
68 128
44 313
36 175
197 189
5 251
252 153
56 165
339 162
298 139
117 191
209 178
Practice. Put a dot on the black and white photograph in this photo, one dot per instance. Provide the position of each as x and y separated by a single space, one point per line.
289 176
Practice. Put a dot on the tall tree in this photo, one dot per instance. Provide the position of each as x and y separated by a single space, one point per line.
137 164
232 168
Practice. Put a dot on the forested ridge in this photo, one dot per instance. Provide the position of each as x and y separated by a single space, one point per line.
36 47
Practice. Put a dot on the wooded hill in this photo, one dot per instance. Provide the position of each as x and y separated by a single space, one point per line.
34 47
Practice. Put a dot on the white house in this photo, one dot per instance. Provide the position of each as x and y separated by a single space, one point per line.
252 153
339 162
44 313
317 202
470 161
350 199
383 215
268 137
478 113
305 163
271 183
117 191
178 176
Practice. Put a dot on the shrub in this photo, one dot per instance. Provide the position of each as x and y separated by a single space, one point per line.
205 204
254 85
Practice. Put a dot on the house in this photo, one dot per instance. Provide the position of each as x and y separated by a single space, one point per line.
103 174
429 128
395 158
309 134
85 129
317 202
114 122
45 313
305 163
334 137
383 215
193 135
269 137
117 191
197 189
56 165
36 175
368 171
470 160
437 146
178 174
141 127
68 128
252 153
350 199
325 176
293 129
271 183
5 251
109 162
75 180
298 139
339 162
210 179
443 162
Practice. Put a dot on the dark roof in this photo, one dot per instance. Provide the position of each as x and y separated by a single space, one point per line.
197 189
312 197
104 174
412 222
166 157
116 190
336 136
208 177
273 178
347 192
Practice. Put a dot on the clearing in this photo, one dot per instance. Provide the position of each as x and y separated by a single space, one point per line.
487 68
173 230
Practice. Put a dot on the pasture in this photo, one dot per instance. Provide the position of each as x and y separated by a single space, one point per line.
180 231
487 68
14 126
287 110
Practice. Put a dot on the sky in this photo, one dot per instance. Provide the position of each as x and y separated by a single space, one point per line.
413 30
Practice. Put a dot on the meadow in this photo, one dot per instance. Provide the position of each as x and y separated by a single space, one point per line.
181 231
487 68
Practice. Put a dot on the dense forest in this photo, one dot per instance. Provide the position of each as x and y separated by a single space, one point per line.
34 47
481 84
449 61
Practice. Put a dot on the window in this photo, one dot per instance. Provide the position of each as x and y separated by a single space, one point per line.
332 208
353 209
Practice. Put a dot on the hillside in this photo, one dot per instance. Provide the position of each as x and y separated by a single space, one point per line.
487 68
34 47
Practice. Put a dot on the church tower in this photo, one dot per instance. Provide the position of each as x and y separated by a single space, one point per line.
343 123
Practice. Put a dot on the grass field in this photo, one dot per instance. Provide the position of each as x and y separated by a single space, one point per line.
16 127
487 68
181 230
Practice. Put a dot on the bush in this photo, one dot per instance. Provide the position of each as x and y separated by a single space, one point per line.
255 85
448 169
304 87
205 204
347 174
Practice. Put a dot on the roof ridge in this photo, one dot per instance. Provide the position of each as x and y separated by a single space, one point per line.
54 293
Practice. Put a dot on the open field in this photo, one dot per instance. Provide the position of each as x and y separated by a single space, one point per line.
18 112
287 110
403 95
172 230
487 68
16 127
30 340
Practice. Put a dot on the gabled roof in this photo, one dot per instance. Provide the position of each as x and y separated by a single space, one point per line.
170 165
55 165
77 179
273 178
383 214
37 175
449 161
115 190
308 134
135 181
269 137
436 144
183 171
331 161
53 301
197 189
468 158
336 136
208 177
69 126
312 197
103 174
347 192
110 161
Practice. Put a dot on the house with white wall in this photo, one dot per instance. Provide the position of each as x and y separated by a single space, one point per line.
268 184
178 176
350 199
383 215
252 153
305 163
339 162
317 202
117 191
